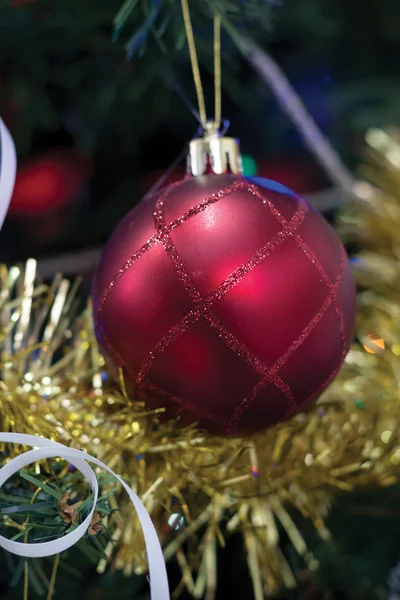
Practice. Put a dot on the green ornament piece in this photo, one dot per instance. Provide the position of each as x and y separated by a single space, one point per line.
249 166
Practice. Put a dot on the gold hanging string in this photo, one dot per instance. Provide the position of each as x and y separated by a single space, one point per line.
195 65
194 62
217 69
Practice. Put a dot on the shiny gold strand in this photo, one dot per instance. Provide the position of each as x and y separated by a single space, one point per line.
53 384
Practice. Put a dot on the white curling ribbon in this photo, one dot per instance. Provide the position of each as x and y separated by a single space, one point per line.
8 169
45 448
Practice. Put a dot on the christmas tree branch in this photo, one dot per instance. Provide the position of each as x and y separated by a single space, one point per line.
59 503
292 105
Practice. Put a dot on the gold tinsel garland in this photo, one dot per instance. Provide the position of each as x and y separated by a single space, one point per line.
53 384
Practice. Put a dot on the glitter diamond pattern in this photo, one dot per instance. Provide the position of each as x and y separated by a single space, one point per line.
203 304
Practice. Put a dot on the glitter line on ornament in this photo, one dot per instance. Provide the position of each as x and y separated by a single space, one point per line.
156 239
203 304
312 257
184 277
245 353
314 260
241 408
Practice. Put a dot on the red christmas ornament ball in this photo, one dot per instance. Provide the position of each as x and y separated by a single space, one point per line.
226 300
303 177
49 182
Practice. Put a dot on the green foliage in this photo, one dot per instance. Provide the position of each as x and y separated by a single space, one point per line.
157 17
106 72
39 508
60 67
364 547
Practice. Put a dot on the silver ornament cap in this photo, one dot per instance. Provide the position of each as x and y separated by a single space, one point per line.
214 152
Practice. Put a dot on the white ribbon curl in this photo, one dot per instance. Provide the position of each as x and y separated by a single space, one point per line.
47 449
8 169
44 448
